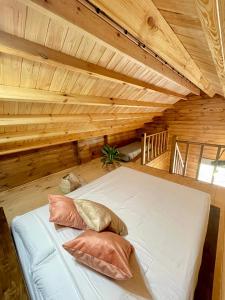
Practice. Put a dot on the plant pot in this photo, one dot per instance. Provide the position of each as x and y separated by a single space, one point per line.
113 166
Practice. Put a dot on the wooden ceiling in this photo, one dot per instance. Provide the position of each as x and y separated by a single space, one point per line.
168 25
197 25
68 73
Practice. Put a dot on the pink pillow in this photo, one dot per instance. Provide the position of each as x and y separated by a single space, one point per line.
105 252
63 212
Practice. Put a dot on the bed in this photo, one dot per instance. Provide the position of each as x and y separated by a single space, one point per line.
130 151
167 224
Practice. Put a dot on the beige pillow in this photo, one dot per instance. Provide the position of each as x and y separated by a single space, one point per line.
98 217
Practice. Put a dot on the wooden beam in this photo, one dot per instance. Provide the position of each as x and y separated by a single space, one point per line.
74 12
9 138
145 22
8 120
23 142
16 46
16 94
212 17
143 148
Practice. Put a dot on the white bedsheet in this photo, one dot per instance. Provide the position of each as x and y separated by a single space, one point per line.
167 224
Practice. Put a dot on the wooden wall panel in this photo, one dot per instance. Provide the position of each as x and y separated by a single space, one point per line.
19 168
23 167
200 120
122 138
91 148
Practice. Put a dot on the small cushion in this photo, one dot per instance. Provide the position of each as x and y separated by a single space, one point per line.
98 217
63 212
105 252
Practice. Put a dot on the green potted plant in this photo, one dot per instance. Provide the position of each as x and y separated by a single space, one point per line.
110 157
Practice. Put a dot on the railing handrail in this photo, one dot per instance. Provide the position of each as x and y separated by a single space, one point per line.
200 144
160 132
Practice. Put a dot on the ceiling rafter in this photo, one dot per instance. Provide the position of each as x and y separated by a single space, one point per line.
10 138
20 47
74 12
16 94
8 120
152 29
212 17
28 141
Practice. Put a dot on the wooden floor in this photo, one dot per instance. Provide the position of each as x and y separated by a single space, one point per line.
34 194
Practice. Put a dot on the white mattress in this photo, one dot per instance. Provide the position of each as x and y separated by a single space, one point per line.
167 225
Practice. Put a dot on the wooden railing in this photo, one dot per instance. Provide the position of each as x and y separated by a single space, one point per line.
153 145
178 165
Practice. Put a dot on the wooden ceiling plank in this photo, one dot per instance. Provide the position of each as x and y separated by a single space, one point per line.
212 17
74 12
16 94
177 6
151 28
9 120
20 47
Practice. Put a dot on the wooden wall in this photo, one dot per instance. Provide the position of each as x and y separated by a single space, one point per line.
197 119
91 148
23 167
19 168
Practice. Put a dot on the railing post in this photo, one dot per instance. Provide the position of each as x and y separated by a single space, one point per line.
173 148
186 160
153 146
148 148
199 161
143 148
167 139
216 163
161 142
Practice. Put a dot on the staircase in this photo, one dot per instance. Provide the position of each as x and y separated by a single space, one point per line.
209 165
201 161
